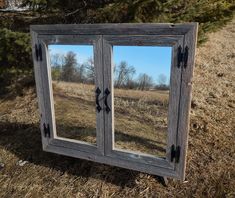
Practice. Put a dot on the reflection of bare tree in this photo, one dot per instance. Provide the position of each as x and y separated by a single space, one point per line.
66 68
162 82
124 74
69 67
161 79
90 74
57 60
145 82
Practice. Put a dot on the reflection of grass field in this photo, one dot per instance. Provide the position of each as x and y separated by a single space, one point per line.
75 111
141 120
140 116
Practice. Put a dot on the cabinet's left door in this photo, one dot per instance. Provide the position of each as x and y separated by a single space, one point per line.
69 80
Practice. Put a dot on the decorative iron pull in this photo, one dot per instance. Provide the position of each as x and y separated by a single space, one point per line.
182 56
98 92
175 153
179 56
107 92
38 52
186 56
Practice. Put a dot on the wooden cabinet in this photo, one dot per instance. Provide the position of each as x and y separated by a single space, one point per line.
117 94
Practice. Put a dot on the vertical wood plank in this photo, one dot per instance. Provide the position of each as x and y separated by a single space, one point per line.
98 63
174 98
39 87
108 83
47 89
185 101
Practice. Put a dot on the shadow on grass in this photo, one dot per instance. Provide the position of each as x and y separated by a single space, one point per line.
13 85
24 140
86 134
145 143
77 99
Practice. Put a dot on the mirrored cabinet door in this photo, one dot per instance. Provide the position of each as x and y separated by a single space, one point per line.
75 75
141 74
73 83
141 83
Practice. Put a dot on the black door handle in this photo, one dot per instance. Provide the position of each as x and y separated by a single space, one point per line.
107 92
98 92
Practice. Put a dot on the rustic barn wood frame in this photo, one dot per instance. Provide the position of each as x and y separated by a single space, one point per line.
181 37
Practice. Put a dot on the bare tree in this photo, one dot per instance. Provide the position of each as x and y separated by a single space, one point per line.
90 73
145 81
57 61
80 73
69 67
162 79
162 82
124 74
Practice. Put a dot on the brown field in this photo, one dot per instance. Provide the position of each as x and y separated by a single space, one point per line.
140 117
210 168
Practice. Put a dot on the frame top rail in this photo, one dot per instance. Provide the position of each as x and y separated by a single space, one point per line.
115 29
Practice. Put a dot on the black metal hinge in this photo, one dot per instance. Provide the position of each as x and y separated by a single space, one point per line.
38 52
175 153
182 56
46 129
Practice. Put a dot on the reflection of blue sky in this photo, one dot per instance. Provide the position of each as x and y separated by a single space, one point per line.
83 52
152 60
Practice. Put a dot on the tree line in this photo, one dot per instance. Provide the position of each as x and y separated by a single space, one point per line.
66 68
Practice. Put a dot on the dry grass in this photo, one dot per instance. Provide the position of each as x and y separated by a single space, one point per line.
210 162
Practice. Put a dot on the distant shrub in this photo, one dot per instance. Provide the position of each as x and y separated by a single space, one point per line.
15 50
211 14
15 59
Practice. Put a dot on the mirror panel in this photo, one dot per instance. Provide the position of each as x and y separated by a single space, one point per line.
141 80
73 84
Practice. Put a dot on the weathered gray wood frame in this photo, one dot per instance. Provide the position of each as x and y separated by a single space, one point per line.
103 36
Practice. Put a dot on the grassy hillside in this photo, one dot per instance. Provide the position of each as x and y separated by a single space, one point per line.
210 162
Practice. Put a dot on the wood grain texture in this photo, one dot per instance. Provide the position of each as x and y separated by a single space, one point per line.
112 161
69 39
108 83
39 87
174 100
76 145
47 89
114 29
98 63
185 100
140 40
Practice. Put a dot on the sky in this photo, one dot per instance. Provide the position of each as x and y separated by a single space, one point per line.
152 60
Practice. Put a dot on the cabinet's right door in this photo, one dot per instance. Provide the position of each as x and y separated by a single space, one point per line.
142 81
